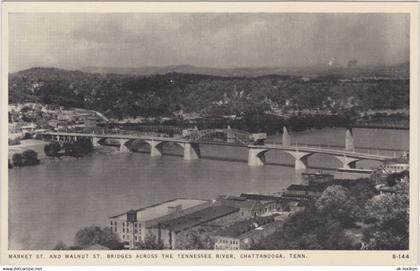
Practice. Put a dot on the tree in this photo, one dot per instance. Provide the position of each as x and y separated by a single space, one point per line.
30 157
390 217
81 147
150 243
196 239
93 235
67 147
337 203
52 149
308 229
17 159
60 246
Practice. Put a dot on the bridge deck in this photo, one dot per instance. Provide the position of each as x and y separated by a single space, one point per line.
120 136
300 148
322 151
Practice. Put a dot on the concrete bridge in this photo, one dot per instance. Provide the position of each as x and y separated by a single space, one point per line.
191 149
348 159
192 138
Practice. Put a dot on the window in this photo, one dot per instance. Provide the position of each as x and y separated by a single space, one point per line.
123 229
111 222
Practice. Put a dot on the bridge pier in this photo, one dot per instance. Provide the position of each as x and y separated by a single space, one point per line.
191 151
347 162
301 159
286 139
156 149
256 156
349 140
95 141
123 147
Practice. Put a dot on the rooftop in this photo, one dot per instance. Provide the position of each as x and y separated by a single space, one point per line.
241 202
161 209
299 187
242 227
267 228
260 197
197 218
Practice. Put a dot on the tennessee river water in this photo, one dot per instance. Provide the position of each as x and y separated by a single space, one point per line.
50 202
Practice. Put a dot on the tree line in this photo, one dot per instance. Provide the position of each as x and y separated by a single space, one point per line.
79 148
26 158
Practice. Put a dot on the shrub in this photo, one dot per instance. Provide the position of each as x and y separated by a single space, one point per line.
17 159
67 147
30 157
93 235
81 147
52 149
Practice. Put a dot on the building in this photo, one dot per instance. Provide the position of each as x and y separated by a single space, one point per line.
131 227
171 231
251 205
299 193
396 165
317 178
243 234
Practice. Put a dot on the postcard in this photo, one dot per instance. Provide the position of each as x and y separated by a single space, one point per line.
209 133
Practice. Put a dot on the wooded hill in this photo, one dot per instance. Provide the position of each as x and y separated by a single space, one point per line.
128 95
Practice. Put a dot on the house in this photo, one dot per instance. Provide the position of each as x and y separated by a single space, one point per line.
301 193
317 178
396 165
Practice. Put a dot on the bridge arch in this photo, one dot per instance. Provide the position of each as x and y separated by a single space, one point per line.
221 136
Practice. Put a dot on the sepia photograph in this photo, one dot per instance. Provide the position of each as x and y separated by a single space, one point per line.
209 131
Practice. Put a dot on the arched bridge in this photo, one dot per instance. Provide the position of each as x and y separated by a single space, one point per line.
165 129
227 136
192 138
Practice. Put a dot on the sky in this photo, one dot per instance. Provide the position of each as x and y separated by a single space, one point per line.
221 40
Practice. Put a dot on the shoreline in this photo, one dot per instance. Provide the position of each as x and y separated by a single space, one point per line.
38 146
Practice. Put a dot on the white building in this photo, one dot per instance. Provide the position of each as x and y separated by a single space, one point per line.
396 165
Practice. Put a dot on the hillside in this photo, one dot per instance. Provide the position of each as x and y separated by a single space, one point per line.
127 95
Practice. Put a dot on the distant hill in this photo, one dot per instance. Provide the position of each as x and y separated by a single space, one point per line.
130 95
400 70
189 69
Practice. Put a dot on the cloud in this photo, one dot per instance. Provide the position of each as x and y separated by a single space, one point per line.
218 40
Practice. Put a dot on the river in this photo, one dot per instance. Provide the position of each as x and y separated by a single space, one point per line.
50 202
